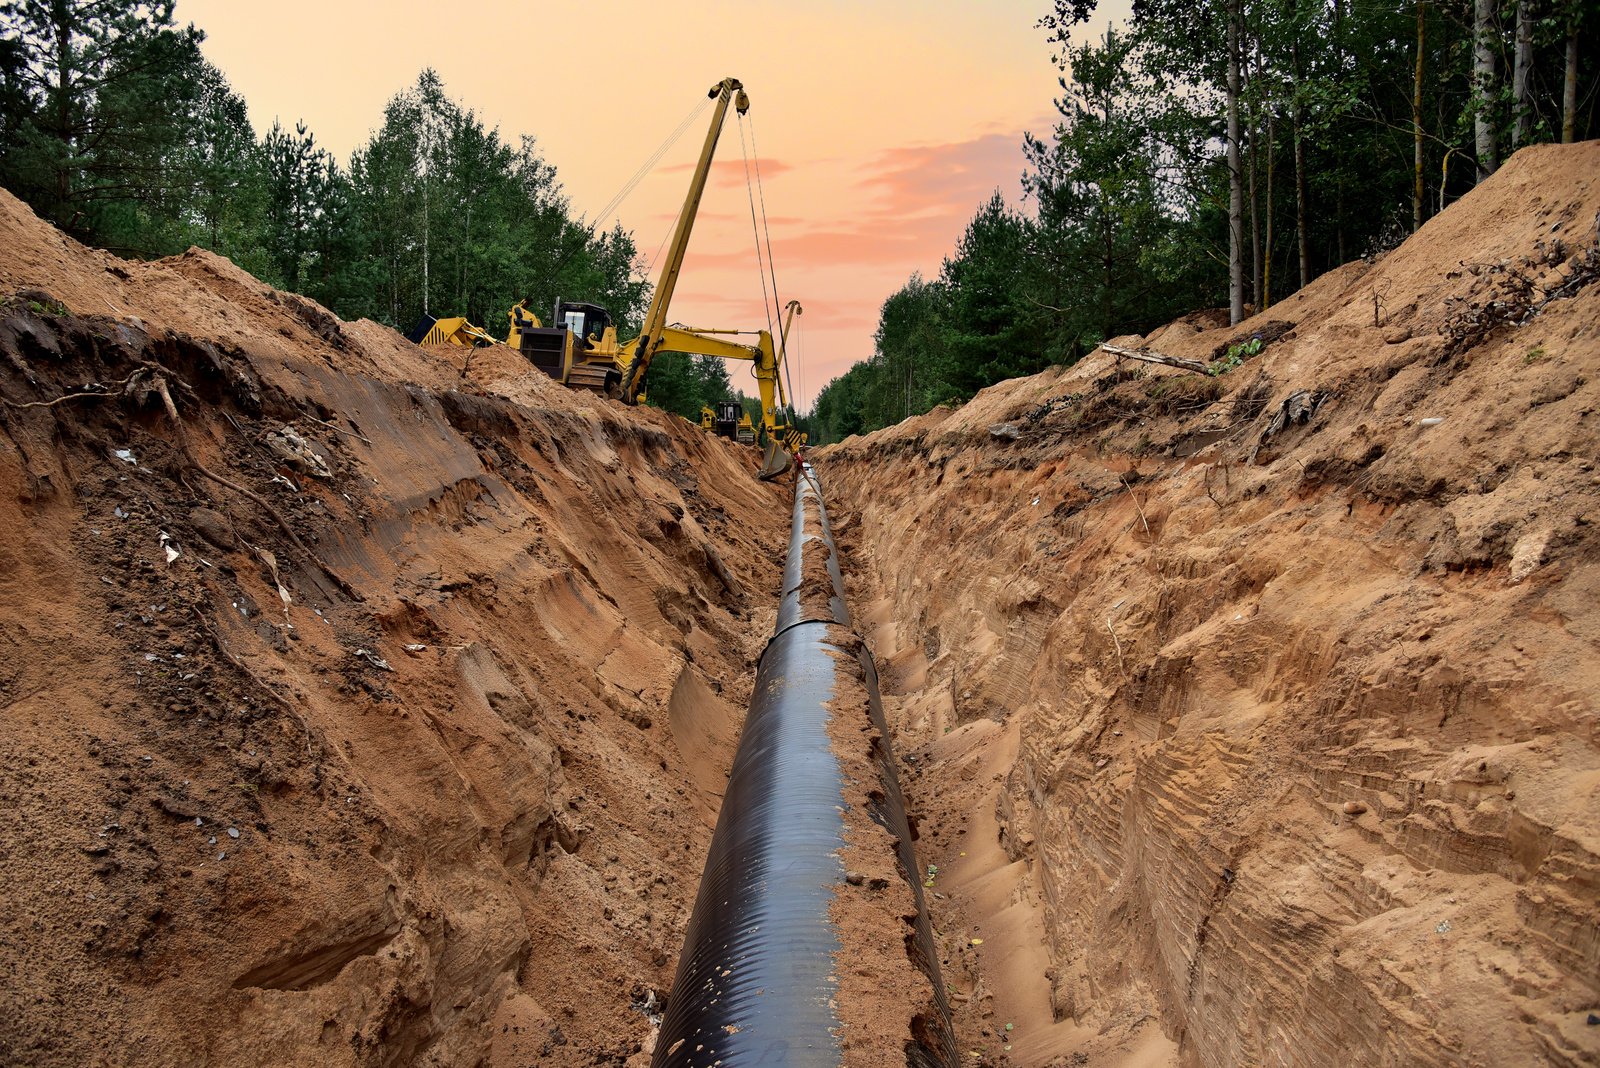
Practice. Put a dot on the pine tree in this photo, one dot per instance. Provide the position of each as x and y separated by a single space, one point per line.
295 170
97 103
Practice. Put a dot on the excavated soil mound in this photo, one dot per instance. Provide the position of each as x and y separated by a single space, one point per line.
1253 717
360 706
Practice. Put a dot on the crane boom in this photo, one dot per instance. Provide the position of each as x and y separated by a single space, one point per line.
727 91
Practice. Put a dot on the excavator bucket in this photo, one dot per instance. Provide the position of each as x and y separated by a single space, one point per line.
774 461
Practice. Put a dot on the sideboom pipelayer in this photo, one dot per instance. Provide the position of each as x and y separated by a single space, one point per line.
581 347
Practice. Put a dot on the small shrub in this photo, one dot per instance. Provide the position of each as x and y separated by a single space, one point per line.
1235 356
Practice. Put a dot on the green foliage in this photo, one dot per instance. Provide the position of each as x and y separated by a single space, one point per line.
1130 189
97 102
837 413
117 130
1235 356
459 222
682 383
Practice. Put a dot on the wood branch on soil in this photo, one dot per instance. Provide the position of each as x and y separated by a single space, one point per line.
1151 356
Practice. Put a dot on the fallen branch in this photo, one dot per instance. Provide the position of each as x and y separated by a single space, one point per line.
166 400
119 389
1206 481
160 387
1136 504
265 506
53 403
1118 646
222 647
1150 356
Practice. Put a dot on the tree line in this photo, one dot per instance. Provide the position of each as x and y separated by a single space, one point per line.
1221 155
115 128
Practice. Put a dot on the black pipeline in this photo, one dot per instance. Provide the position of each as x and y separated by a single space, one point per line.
756 981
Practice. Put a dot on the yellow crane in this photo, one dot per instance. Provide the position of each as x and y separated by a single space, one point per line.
580 347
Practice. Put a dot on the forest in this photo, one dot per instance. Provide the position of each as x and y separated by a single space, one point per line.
1204 155
1220 155
114 127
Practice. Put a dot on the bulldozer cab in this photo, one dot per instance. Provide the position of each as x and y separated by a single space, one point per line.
586 321
727 419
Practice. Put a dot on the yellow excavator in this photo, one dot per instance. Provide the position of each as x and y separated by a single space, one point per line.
777 430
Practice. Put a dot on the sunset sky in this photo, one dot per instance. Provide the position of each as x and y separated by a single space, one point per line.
880 127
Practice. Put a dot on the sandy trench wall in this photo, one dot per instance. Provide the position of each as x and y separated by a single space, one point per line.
1308 719
390 764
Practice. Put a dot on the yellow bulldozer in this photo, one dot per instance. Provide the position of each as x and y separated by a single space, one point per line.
452 331
728 420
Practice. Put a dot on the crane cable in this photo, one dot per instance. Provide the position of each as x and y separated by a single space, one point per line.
794 398
649 164
628 187
799 357
752 190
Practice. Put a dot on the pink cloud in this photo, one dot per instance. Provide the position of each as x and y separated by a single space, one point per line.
821 312
732 171
901 211
918 200
957 175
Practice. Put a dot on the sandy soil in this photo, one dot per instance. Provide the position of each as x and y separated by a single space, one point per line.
410 752
1239 739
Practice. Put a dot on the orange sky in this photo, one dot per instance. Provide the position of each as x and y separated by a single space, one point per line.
880 126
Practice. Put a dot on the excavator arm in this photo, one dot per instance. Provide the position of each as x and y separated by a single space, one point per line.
783 438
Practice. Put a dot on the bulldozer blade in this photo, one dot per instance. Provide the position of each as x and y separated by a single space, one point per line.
774 461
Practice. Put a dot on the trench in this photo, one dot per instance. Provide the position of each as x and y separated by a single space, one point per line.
758 977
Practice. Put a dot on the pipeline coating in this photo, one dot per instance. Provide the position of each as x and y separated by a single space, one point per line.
754 984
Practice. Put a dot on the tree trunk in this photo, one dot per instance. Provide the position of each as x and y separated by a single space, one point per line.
1483 13
1255 219
1266 257
63 114
1304 239
1416 119
1300 180
1338 215
1569 86
1522 64
1108 265
424 242
1235 179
